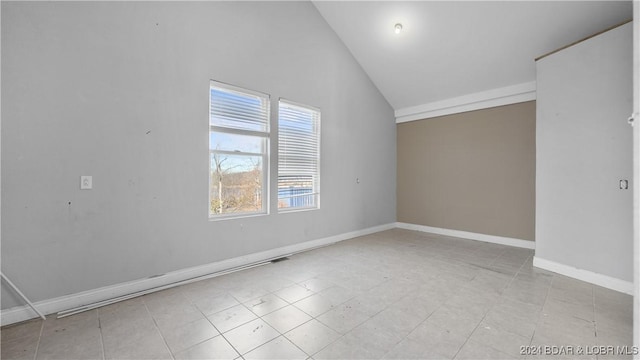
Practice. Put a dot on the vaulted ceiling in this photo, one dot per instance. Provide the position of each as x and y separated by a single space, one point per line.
450 49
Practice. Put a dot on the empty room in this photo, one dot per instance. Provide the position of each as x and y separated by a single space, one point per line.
319 180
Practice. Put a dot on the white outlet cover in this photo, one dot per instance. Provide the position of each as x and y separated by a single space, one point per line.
86 182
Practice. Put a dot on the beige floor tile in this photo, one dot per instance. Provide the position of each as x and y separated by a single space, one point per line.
566 329
395 320
315 305
366 304
492 335
418 304
316 285
83 321
247 293
375 337
265 304
343 318
201 290
407 349
20 330
514 316
286 318
337 294
212 305
475 351
251 335
81 344
294 293
171 308
134 340
72 337
279 348
185 336
455 320
527 292
231 318
159 301
19 341
212 349
345 348
312 336
437 340
20 348
275 283
124 315
298 276
393 294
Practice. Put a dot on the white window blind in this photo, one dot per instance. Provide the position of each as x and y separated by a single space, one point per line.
298 156
234 108
238 151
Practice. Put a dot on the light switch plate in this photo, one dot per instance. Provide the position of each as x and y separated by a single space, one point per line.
86 182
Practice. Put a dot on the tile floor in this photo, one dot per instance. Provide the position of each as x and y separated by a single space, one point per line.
391 295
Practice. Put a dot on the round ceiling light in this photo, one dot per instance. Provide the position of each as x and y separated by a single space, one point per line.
398 28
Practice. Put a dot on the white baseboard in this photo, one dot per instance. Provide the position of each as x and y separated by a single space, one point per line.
585 275
50 306
570 271
470 235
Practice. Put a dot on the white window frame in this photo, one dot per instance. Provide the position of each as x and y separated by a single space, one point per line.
265 135
315 191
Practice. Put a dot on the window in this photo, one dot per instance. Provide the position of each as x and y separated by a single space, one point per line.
298 156
238 151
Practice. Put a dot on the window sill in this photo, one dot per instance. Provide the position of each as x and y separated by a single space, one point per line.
294 210
234 216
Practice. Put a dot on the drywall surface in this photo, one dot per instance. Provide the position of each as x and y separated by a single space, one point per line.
584 148
473 171
120 91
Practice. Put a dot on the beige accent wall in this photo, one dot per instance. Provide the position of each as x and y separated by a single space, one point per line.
473 171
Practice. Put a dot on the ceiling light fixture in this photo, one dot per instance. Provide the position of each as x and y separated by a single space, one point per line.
398 28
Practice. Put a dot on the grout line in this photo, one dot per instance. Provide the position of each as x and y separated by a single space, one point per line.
449 255
485 314
335 307
553 277
257 317
155 324
222 334
215 327
35 354
104 355
290 330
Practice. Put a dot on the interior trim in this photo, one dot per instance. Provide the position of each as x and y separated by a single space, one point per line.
526 244
605 281
481 100
584 275
50 306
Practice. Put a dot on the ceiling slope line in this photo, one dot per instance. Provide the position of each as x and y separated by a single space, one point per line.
481 100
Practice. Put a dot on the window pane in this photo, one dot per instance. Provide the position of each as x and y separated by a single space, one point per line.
238 156
298 156
238 143
295 192
236 184
243 111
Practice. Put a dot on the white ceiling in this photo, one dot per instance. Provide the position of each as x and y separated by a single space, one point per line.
448 49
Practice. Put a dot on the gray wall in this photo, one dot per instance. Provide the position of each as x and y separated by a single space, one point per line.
473 171
119 91
584 145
